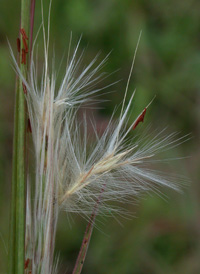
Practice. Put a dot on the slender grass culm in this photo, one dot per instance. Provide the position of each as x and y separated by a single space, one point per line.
69 174
17 219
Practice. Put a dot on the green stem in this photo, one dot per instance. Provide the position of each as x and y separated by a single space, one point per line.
13 197
17 232
87 236
84 246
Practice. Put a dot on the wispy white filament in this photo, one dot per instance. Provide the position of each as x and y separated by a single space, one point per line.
69 172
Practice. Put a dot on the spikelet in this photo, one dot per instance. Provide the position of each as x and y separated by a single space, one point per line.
70 174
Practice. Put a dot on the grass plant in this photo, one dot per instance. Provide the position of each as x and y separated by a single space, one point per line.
70 174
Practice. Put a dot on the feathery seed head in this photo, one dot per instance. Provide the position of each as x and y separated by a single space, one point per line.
68 173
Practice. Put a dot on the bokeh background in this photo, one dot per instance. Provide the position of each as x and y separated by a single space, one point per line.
164 235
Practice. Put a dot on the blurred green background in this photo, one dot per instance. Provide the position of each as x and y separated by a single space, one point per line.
164 235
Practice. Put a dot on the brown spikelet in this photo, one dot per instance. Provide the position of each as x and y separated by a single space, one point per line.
23 61
23 33
24 88
18 45
140 118
25 44
26 263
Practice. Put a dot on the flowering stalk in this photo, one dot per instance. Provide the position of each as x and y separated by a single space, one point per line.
32 15
17 230
70 174
87 236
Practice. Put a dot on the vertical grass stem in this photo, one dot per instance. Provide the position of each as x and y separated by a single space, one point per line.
17 231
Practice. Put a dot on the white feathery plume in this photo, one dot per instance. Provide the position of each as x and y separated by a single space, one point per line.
70 174
51 113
